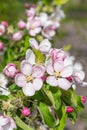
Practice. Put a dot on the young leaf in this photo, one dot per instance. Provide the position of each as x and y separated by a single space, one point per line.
46 115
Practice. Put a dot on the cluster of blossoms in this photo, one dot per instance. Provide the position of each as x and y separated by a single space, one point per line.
42 80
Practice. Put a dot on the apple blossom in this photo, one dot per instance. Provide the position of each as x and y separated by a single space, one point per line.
30 78
17 36
1 46
43 47
2 29
7 123
30 13
26 111
21 24
10 70
58 74
5 23
33 27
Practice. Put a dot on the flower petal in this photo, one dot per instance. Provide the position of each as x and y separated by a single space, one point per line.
45 46
58 65
38 71
26 67
68 61
49 68
78 66
52 81
64 83
30 56
67 71
33 43
20 80
37 83
3 121
80 75
28 90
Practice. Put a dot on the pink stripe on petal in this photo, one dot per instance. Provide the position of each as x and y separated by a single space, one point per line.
58 66
20 80
37 83
52 81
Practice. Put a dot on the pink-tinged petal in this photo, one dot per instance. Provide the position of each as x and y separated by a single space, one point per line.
52 81
80 75
58 65
36 23
20 80
26 67
37 30
49 68
67 71
37 83
3 121
28 90
30 56
77 79
45 46
1 128
33 43
38 71
32 33
13 125
64 83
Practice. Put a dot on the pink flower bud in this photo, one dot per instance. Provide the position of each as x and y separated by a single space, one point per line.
27 5
1 46
83 99
21 24
69 109
44 78
2 29
17 36
26 111
4 23
10 70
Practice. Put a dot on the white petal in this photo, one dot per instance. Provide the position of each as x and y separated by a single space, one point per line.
1 128
52 81
33 43
26 67
30 56
67 71
45 46
58 66
38 71
28 90
20 80
68 61
3 121
49 68
5 92
37 83
80 75
78 66
64 83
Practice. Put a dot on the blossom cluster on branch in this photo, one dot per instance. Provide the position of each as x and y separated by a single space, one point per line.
37 82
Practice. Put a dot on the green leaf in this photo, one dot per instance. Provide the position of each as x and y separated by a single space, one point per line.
54 96
59 2
3 97
13 88
62 117
21 124
46 115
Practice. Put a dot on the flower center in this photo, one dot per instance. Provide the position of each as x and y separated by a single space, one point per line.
32 27
57 74
29 78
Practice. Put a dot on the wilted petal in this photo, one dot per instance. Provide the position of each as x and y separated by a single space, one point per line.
38 71
67 71
52 81
20 80
58 66
30 56
64 83
33 43
45 46
28 90
49 68
26 67
37 83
